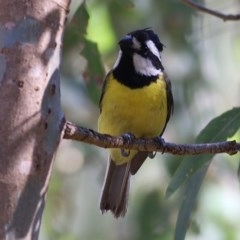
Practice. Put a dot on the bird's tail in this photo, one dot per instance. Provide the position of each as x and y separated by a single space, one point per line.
115 189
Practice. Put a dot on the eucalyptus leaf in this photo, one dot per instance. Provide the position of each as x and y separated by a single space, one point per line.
94 74
217 130
193 169
189 198
75 31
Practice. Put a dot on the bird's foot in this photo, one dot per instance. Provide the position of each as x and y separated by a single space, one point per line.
161 143
152 154
125 152
127 140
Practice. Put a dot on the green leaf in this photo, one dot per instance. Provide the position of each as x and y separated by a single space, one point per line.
218 129
75 34
94 73
77 28
192 188
193 169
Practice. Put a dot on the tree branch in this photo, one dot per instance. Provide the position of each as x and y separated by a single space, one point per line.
224 17
146 144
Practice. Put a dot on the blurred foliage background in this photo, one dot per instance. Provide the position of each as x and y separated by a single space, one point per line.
202 58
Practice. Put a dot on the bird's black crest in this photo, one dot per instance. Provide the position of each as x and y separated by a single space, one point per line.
147 34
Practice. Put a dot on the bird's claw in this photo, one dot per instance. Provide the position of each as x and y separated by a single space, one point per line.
125 152
161 142
128 140
152 154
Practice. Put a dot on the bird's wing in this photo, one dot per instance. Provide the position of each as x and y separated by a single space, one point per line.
106 80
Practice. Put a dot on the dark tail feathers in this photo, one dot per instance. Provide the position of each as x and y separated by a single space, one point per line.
116 186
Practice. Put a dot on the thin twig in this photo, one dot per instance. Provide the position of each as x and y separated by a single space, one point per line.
90 136
224 17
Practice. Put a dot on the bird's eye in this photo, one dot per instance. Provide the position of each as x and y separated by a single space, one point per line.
145 48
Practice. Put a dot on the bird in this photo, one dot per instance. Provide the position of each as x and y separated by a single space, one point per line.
136 99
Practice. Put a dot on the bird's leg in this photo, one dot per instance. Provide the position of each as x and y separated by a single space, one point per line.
127 139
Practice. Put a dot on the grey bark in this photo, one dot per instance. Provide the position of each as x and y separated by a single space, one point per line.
31 119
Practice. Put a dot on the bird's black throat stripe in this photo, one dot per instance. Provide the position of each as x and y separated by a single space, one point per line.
155 61
125 73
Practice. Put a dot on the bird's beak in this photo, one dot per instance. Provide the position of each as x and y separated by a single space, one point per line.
125 43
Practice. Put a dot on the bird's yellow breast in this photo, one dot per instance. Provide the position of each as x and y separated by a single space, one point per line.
141 111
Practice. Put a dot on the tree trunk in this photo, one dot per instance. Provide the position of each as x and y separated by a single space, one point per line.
31 119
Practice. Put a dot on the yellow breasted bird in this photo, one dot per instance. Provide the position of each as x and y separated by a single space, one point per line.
136 98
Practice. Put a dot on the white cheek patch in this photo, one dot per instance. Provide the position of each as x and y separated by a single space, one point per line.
144 66
118 59
152 47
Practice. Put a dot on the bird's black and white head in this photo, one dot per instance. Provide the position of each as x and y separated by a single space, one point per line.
140 54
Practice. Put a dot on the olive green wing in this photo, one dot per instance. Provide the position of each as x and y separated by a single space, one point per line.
170 103
104 86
